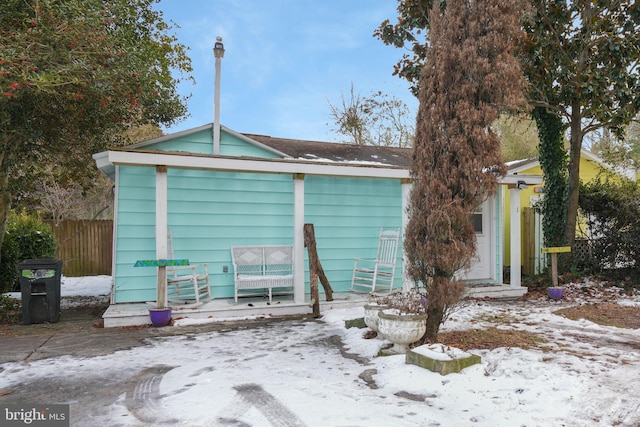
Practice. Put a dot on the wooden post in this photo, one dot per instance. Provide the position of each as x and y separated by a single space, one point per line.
315 271
554 260
315 297
554 269
162 287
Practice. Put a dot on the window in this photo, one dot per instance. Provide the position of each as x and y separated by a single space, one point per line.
476 220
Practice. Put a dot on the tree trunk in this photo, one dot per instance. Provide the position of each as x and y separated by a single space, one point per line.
315 297
314 261
435 313
5 194
574 173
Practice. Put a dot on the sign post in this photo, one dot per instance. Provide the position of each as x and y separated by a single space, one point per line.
554 260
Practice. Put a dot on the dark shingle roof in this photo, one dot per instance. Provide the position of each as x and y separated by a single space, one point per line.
336 152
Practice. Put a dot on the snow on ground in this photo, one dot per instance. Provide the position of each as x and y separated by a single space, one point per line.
85 286
294 373
88 286
78 291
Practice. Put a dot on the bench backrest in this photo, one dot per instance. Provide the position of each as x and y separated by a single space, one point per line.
271 260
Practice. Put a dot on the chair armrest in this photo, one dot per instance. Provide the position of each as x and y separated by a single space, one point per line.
183 267
192 267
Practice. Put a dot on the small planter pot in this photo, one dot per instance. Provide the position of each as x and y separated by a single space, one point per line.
160 316
401 329
555 293
371 317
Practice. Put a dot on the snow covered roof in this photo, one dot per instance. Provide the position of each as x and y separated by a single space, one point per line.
336 152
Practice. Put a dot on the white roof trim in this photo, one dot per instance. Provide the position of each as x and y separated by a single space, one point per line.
258 165
251 164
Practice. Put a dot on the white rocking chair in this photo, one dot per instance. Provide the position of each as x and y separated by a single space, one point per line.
187 284
375 275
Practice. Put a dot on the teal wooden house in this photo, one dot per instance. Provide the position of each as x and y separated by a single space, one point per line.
191 197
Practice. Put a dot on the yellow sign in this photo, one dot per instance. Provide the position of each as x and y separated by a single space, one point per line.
555 250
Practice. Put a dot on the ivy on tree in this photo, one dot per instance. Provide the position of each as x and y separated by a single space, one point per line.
581 59
553 161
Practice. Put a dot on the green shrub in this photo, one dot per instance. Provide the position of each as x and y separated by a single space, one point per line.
10 311
612 208
27 237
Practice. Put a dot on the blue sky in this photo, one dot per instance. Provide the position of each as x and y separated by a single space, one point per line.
285 60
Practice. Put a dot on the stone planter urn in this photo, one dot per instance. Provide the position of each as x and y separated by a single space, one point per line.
371 312
401 329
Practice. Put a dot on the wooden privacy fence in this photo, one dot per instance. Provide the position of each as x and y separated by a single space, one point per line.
84 246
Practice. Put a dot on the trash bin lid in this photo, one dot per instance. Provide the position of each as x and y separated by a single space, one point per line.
39 263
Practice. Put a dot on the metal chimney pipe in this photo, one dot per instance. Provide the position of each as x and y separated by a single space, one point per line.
218 53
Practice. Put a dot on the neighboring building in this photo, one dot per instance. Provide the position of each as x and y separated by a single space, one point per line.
262 190
532 260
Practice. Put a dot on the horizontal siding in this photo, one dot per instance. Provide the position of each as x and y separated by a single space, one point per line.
199 142
347 214
231 145
230 209
202 143
135 234
208 212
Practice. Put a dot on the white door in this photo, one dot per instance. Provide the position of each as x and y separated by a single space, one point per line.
483 265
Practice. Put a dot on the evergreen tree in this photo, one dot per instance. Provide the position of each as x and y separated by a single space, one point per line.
73 74
469 76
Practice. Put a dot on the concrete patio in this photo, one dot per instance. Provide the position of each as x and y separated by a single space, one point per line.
135 314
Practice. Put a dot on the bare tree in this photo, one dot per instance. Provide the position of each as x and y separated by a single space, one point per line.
70 201
470 74
518 137
84 193
351 118
623 153
380 119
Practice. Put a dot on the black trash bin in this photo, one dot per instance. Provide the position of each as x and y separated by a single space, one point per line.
40 288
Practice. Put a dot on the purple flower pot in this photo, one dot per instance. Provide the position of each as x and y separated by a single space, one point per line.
160 316
555 293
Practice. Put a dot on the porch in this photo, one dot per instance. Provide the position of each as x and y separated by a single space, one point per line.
220 309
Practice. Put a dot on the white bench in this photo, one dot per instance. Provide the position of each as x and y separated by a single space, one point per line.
262 267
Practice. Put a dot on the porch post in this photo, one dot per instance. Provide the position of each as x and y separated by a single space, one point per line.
161 233
298 238
407 284
515 232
